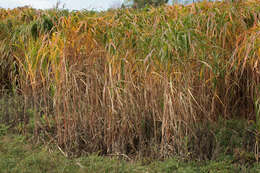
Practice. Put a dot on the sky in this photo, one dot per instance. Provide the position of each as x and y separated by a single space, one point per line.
69 4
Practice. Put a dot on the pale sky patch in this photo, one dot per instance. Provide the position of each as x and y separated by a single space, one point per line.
69 4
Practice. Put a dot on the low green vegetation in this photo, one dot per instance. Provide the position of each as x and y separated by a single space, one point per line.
22 154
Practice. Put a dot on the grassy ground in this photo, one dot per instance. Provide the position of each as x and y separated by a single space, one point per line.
19 154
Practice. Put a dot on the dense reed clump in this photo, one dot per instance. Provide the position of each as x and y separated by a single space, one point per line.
131 81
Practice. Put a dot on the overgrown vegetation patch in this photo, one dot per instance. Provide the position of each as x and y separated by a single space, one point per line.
140 83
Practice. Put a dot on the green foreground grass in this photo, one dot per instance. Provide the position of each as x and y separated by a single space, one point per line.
19 154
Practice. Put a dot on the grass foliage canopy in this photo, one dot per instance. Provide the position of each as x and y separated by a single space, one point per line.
134 81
